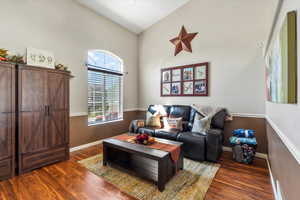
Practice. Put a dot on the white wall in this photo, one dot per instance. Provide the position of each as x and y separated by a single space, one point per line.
286 116
229 34
69 30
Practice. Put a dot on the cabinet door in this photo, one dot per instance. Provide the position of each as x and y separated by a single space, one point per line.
56 121
7 79
32 98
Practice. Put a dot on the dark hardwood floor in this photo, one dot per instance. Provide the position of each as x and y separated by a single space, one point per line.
69 180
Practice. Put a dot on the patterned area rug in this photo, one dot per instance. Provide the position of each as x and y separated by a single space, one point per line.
189 184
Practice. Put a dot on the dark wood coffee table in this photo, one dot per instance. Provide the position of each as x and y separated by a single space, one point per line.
137 159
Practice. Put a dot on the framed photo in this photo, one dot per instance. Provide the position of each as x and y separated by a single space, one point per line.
176 88
200 72
40 58
187 80
176 75
200 87
166 89
166 76
188 87
188 74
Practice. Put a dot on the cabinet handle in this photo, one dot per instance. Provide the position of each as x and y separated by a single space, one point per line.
46 110
49 110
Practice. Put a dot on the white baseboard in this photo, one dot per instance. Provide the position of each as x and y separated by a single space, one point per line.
251 115
272 181
258 155
78 114
275 184
84 146
131 109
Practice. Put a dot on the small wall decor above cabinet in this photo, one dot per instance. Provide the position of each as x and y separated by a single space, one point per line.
187 80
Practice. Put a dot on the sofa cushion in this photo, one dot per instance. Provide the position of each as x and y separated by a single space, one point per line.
180 111
154 108
218 121
170 134
148 130
214 141
193 145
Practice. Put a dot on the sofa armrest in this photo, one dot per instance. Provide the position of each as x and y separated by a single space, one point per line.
214 144
134 125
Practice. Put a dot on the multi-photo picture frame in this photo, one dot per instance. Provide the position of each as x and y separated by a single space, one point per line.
187 80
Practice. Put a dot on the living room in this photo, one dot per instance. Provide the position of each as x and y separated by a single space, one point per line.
149 99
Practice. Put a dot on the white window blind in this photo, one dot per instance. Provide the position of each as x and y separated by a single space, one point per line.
104 88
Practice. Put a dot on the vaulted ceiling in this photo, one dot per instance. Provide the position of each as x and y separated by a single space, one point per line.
135 15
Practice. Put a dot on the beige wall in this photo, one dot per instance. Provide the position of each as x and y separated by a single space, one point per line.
283 128
229 33
286 116
69 30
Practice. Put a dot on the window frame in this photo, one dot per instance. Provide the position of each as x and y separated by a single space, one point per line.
120 73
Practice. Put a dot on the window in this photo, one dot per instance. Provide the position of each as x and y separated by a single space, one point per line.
104 87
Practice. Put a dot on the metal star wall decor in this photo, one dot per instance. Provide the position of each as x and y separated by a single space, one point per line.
183 41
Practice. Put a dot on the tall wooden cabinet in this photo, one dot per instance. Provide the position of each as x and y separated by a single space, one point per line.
43 117
7 120
34 118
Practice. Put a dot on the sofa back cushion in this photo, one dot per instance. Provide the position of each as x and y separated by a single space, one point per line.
180 111
188 114
157 108
218 121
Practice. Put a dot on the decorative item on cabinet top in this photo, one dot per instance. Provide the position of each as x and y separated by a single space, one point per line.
61 67
36 57
187 80
41 58
6 57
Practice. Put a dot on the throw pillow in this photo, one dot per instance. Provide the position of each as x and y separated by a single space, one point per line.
201 125
153 119
173 123
140 123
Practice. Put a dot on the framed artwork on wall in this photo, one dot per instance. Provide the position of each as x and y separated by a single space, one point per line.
187 80
166 76
176 75
166 90
188 87
188 73
176 89
281 58
200 73
200 87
